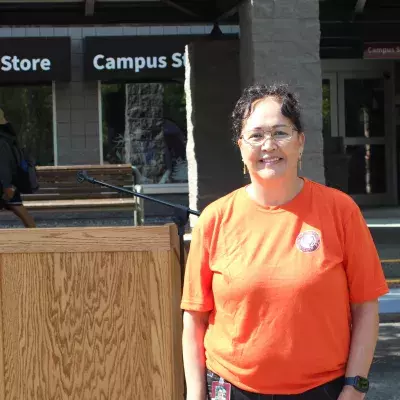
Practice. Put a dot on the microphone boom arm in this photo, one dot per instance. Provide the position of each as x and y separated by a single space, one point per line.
83 176
181 213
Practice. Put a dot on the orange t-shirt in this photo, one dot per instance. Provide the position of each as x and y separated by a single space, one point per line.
278 282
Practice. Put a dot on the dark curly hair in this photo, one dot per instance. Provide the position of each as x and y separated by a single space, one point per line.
244 107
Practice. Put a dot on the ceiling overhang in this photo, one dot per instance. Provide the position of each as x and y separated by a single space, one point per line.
88 12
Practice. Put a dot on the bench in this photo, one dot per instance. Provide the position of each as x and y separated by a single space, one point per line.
60 190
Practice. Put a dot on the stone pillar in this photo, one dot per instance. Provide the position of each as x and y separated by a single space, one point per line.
144 138
212 87
280 41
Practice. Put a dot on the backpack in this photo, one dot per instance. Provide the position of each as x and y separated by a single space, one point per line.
26 179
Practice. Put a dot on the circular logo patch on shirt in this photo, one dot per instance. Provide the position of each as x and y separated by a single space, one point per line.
308 241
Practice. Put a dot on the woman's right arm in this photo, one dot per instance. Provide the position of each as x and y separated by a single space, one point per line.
194 327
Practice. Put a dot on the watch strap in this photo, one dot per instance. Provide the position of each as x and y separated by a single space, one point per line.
359 383
350 380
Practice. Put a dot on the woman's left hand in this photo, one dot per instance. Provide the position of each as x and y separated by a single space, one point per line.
349 393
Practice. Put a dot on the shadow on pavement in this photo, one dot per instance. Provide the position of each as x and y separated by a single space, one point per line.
385 369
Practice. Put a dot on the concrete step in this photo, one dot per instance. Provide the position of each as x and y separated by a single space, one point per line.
387 241
389 305
388 252
384 225
391 270
386 237
385 231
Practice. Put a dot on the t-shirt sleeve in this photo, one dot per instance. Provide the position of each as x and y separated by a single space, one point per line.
197 289
365 276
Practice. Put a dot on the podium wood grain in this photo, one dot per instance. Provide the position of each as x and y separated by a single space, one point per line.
115 239
93 324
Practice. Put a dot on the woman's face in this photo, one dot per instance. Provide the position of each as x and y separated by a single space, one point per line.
274 158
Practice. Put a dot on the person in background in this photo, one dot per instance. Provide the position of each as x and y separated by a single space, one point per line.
10 198
283 278
175 153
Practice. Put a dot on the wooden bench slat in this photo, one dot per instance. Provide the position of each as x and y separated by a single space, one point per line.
73 178
67 182
84 188
81 203
51 191
67 185
70 197
92 167
75 172
59 188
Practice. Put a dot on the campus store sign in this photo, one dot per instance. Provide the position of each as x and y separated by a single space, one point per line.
382 51
135 57
35 60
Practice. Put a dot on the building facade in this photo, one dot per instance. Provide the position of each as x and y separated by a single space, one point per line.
91 94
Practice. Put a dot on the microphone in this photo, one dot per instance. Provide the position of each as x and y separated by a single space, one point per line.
82 176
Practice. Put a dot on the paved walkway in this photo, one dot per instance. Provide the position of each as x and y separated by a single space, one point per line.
390 303
385 370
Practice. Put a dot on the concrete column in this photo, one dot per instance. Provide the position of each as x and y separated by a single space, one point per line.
77 115
280 42
212 87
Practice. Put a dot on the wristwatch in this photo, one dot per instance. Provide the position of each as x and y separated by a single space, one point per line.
359 383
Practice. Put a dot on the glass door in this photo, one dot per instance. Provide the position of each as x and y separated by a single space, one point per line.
365 125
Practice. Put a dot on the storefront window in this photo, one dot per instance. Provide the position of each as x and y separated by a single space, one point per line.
144 124
30 111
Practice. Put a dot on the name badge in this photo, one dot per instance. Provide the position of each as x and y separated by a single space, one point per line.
221 390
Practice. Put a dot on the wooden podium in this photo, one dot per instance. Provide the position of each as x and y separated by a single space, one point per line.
90 314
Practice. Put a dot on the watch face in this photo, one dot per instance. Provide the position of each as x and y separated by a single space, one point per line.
362 384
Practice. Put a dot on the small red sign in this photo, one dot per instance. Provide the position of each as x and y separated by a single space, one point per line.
382 51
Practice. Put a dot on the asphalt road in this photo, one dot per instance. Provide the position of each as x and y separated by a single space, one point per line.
385 370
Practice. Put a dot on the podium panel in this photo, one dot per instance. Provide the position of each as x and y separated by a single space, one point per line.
90 313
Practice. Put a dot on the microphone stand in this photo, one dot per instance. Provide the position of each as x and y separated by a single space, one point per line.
180 218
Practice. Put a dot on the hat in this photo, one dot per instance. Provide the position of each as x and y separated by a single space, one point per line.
3 121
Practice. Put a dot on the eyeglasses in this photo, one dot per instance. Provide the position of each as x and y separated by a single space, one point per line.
258 137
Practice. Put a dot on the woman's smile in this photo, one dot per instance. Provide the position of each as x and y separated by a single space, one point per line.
270 161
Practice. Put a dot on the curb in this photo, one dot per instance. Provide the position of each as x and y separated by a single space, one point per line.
393 283
389 318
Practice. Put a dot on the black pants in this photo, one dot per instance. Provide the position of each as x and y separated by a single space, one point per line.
328 391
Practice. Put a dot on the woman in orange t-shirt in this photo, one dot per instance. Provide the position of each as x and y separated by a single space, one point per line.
282 278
